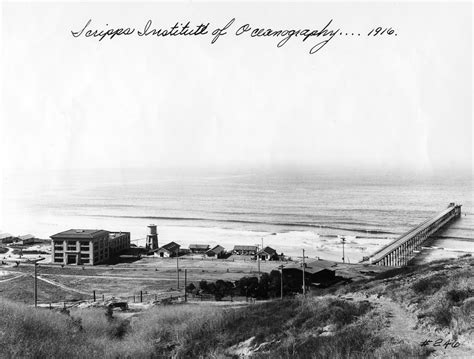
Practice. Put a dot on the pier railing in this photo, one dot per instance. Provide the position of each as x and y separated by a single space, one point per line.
404 248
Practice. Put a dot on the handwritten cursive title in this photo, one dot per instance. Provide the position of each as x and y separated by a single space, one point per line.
318 37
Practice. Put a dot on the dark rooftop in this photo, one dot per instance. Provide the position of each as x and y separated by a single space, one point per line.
171 247
313 266
268 250
217 249
245 248
80 234
198 246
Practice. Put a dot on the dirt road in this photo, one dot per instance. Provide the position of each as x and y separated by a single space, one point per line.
403 325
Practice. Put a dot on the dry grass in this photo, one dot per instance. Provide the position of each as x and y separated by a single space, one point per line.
28 333
185 331
439 292
316 327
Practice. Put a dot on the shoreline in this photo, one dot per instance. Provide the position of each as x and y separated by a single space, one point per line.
291 243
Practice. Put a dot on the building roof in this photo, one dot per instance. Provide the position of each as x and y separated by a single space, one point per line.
217 249
245 248
314 266
27 236
170 247
117 234
268 250
80 234
5 235
199 246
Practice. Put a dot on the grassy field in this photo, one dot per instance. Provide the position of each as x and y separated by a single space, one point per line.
148 275
151 276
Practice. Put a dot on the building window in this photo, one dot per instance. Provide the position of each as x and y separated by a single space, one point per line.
71 246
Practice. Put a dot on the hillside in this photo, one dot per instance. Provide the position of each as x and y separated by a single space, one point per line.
422 311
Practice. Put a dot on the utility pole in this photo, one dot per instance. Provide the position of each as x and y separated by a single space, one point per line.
177 268
258 259
304 268
36 281
281 281
185 285
343 242
303 265
36 286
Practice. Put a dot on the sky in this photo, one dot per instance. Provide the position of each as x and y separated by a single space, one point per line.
384 102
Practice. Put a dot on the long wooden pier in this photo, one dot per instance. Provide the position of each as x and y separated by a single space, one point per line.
402 249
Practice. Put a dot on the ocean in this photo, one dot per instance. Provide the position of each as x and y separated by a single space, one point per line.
288 211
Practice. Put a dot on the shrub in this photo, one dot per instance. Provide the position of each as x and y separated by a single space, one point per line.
429 285
458 295
441 313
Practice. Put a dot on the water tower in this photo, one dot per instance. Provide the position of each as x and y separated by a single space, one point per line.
152 238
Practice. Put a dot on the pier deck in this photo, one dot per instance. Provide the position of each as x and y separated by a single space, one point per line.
402 249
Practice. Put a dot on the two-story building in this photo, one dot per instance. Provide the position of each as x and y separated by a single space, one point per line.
87 246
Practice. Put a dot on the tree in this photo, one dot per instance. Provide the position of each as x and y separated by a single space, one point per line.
204 286
263 286
274 286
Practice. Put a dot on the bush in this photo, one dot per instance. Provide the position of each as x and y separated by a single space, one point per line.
457 296
429 285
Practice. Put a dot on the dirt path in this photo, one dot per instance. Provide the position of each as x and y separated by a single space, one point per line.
111 277
12 278
403 326
59 285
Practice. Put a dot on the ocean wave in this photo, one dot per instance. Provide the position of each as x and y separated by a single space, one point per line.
241 221
458 238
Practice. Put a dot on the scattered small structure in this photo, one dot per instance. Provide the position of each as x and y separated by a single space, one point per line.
245 250
184 251
199 248
121 305
152 238
168 250
6 238
318 272
268 254
26 239
217 251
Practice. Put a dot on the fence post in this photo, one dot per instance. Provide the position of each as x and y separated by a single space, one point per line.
103 298
93 292
141 297
185 285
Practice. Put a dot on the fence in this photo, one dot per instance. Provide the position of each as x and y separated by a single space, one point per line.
169 285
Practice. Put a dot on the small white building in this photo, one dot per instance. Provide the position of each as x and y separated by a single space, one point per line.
217 251
245 250
168 250
267 254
